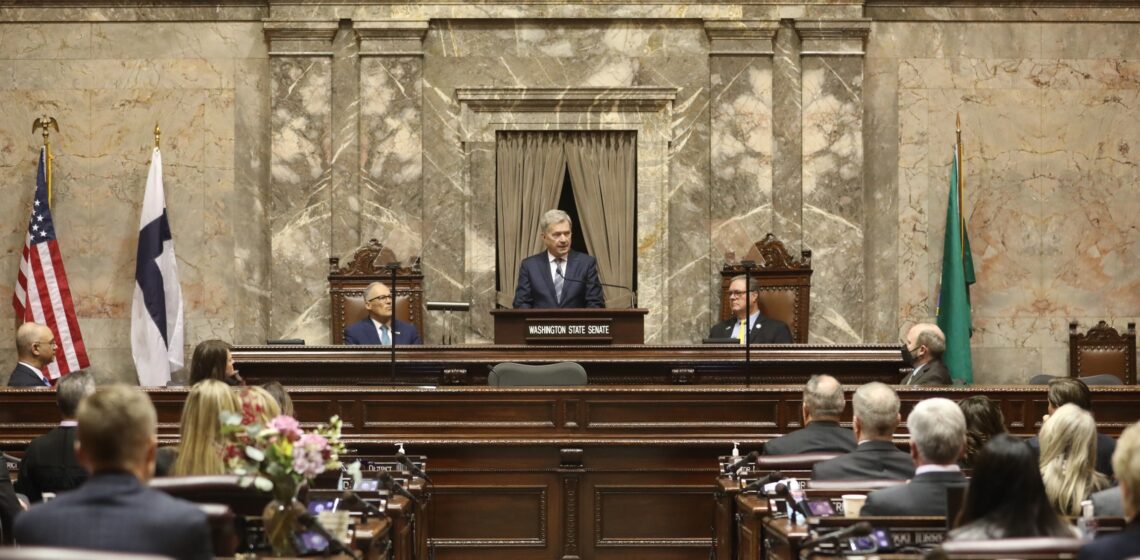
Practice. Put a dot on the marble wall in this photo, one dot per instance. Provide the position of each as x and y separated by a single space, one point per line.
297 131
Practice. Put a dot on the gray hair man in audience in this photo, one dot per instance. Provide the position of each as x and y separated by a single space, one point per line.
49 463
114 510
1126 464
823 404
876 418
937 440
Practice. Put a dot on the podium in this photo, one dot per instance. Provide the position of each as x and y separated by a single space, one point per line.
569 326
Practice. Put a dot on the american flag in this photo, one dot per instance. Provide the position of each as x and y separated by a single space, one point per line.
42 294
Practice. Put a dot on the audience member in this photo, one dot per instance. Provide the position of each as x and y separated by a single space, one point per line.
1068 449
9 505
923 350
823 403
1065 390
1006 498
114 510
200 452
876 418
49 463
257 405
281 395
937 438
984 420
35 349
1126 464
212 360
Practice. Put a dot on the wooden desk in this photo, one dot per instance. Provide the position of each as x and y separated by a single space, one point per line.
605 364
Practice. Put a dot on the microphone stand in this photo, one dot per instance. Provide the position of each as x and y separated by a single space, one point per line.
748 266
393 268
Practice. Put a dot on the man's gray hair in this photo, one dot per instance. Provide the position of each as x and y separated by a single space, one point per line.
938 427
72 389
877 407
753 284
932 340
552 217
823 397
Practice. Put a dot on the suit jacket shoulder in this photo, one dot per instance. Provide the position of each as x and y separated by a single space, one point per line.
873 460
405 332
817 437
1108 503
49 465
1117 546
925 494
935 373
22 376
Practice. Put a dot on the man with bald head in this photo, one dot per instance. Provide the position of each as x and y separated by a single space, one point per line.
923 350
35 346
876 418
823 404
380 327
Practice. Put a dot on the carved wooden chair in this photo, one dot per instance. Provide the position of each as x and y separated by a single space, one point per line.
370 264
785 284
1103 350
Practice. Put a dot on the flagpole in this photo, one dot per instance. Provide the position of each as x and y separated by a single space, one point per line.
961 184
46 123
157 135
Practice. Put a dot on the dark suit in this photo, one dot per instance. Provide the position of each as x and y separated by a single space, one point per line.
817 437
925 494
930 373
1108 503
49 465
871 460
766 330
1105 446
114 512
23 376
9 505
364 332
1114 546
580 288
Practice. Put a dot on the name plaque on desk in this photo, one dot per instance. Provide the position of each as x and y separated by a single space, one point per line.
568 330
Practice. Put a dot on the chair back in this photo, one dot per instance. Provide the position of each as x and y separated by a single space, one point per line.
223 531
216 489
369 264
510 374
799 461
784 284
1103 351
1026 548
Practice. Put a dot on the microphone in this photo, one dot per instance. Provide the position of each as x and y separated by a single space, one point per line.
749 458
335 545
412 467
392 485
633 294
860 529
760 483
799 507
353 497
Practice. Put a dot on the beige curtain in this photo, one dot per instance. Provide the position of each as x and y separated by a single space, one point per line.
603 175
530 170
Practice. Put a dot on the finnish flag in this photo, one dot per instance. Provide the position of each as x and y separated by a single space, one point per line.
156 310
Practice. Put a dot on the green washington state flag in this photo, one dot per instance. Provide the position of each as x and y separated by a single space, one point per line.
957 275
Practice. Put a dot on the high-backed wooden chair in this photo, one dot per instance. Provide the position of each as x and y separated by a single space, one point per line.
370 264
1103 350
785 284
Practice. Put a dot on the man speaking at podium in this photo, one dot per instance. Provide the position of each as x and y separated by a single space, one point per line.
558 277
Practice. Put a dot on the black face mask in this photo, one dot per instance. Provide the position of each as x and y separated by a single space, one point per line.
907 357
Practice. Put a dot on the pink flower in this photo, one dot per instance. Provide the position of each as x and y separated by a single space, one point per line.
287 426
308 455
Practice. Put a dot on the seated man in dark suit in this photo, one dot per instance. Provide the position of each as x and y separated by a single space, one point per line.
380 327
1108 503
1065 390
923 350
558 277
760 329
876 418
1126 464
49 463
114 510
35 347
823 403
937 440
9 505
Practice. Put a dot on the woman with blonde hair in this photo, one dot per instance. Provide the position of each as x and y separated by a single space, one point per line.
1068 459
200 452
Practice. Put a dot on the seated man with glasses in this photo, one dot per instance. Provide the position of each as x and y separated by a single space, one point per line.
380 327
35 346
760 329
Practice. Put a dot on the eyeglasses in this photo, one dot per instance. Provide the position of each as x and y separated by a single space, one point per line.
50 342
735 293
385 297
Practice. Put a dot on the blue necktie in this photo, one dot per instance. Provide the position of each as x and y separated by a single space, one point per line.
384 339
558 280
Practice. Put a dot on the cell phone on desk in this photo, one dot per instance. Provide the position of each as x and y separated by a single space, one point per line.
315 507
878 541
310 543
821 508
367 485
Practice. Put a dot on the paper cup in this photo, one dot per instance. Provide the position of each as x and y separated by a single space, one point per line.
853 504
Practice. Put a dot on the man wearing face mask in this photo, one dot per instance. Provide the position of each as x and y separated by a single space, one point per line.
923 350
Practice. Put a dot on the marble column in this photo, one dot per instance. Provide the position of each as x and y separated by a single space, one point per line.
740 142
834 217
301 157
344 191
787 142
